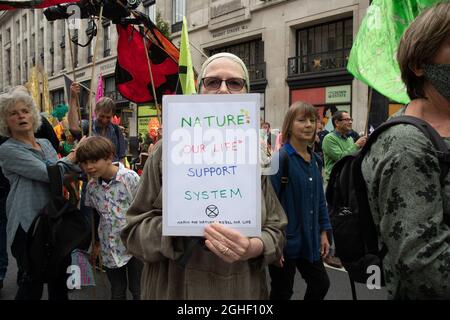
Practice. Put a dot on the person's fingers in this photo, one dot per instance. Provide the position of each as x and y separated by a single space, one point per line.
238 245
232 235
324 250
226 231
327 249
220 242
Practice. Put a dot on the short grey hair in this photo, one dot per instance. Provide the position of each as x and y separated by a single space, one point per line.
226 55
9 100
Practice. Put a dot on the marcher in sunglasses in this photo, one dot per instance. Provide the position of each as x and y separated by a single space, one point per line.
233 84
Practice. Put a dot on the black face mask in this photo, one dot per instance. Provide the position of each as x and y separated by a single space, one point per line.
439 77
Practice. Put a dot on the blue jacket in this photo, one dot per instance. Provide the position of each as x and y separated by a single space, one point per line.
304 203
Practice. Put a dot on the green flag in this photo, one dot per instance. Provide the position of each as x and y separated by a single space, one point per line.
185 69
373 58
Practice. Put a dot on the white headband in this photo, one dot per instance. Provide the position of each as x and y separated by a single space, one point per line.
228 56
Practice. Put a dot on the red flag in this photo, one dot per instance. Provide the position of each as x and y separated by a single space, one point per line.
31 4
132 76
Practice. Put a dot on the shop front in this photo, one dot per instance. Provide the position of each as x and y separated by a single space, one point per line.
326 100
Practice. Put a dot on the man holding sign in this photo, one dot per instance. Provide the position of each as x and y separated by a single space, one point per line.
228 261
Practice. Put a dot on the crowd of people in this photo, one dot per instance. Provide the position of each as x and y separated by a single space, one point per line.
408 198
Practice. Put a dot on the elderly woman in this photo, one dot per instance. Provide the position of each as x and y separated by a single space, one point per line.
192 268
24 160
409 203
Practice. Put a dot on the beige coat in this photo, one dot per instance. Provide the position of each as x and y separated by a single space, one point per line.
204 276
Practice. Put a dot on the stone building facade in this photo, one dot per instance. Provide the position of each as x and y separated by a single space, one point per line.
294 49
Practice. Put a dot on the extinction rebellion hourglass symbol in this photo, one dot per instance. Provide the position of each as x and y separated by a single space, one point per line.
212 211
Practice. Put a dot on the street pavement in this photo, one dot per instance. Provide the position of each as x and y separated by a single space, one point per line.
339 288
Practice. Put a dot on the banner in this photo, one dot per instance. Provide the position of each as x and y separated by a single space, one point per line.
373 56
211 164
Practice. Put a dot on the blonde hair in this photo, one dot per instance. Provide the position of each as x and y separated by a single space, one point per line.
420 43
9 100
296 108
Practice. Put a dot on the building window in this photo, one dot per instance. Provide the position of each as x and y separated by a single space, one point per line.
63 50
90 48
50 31
25 55
19 71
41 45
32 21
178 11
52 47
110 87
150 9
7 36
106 39
52 59
57 96
8 66
17 30
322 47
32 52
252 53
75 48
63 58
24 24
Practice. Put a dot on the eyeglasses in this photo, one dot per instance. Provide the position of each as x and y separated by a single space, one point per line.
233 84
346 119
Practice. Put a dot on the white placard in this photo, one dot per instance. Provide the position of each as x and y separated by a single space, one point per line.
211 165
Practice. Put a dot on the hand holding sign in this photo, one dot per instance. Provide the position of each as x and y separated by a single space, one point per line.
230 245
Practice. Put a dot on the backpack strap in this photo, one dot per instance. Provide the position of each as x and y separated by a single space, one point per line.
442 150
56 183
443 155
284 158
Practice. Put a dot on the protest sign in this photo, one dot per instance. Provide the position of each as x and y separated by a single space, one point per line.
211 165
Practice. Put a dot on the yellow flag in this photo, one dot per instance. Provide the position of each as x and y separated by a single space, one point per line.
185 69
34 87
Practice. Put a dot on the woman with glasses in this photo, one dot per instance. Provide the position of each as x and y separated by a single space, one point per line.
224 264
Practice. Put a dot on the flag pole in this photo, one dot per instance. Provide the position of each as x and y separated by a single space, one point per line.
90 110
369 108
158 111
93 70
94 291
72 58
